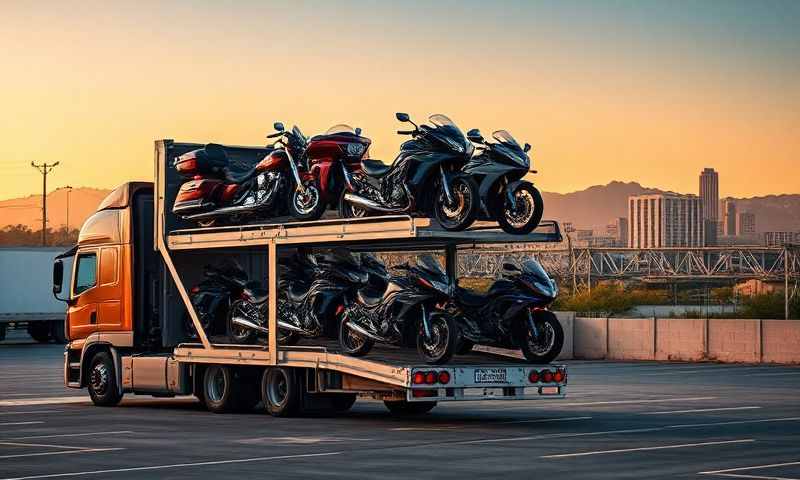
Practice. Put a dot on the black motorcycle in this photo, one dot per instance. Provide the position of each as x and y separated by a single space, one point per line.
310 291
424 179
498 168
408 311
513 314
221 286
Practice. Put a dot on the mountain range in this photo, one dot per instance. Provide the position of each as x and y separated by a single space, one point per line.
591 208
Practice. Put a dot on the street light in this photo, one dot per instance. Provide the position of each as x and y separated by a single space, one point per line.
69 190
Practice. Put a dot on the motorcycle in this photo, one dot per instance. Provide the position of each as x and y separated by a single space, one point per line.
498 168
513 314
408 311
327 162
214 194
212 297
310 290
424 179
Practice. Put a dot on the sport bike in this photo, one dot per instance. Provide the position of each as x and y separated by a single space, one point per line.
213 296
513 314
216 195
408 311
424 179
498 168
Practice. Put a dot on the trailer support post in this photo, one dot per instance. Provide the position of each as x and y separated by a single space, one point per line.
451 262
272 281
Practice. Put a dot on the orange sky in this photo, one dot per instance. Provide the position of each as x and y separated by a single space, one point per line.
651 92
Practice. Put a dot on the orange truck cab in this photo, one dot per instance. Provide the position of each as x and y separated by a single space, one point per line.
112 296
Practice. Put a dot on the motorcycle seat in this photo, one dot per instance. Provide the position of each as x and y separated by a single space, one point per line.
470 298
296 292
369 296
259 295
375 168
231 177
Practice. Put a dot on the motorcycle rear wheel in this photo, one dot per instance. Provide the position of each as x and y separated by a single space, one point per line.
307 205
467 201
348 210
528 213
351 342
239 335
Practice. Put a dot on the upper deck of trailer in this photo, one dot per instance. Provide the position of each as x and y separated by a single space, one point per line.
387 232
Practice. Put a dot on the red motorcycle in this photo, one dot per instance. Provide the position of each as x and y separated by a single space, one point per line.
215 195
328 162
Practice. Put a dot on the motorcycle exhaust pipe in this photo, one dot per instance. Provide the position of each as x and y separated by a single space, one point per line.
290 327
220 212
248 324
361 331
369 204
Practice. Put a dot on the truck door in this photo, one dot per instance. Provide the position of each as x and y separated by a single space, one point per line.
82 310
110 293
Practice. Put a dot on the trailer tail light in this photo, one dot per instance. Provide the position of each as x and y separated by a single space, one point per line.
419 378
444 377
533 377
547 376
559 376
424 393
430 378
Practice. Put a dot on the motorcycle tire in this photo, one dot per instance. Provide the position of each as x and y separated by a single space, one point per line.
465 193
309 204
540 351
239 335
443 342
348 210
352 343
534 208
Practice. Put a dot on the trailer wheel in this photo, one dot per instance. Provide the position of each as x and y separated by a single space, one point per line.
39 331
218 388
102 385
281 391
404 407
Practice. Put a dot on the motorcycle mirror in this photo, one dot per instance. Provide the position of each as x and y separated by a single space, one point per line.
474 135
278 126
358 131
527 148
403 117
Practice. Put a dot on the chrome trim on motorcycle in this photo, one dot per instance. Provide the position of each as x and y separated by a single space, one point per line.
362 331
369 204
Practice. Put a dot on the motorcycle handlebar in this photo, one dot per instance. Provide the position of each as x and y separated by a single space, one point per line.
405 132
276 134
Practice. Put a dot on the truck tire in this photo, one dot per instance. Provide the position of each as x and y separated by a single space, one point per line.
404 407
282 391
102 384
57 332
39 331
225 389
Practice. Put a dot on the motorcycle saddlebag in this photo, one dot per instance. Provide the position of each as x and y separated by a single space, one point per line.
195 196
210 160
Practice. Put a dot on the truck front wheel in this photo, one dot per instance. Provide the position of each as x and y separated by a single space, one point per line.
103 386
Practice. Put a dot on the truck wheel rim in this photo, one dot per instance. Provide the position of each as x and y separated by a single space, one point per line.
216 388
278 389
99 379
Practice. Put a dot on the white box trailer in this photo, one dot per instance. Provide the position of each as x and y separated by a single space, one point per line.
316 374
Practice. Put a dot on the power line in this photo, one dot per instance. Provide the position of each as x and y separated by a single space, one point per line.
44 169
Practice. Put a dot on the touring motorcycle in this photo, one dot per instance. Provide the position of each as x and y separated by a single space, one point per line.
424 179
408 311
513 314
215 194
498 168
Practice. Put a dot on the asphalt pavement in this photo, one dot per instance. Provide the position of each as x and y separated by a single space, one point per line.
619 420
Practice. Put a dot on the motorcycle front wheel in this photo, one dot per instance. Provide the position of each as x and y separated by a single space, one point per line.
544 345
351 342
527 214
307 203
441 345
462 212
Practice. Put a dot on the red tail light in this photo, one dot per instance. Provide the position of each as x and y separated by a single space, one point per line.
339 310
424 393
419 378
547 376
559 376
444 377
533 377
430 378
194 290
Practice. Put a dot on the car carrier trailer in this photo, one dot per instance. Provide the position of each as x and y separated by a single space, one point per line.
126 348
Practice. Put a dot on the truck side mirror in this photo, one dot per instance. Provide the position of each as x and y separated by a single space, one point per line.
58 278
403 117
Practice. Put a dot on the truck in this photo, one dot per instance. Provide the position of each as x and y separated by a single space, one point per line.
25 299
127 303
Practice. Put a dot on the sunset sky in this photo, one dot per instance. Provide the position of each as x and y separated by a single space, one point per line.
605 90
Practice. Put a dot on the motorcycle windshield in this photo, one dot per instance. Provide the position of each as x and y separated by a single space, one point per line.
429 264
299 137
448 133
504 137
510 149
340 128
534 269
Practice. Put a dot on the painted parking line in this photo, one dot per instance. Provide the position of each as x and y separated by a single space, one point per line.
702 410
8 424
728 472
63 452
546 420
605 402
175 465
42 401
62 435
41 445
29 412
735 422
643 449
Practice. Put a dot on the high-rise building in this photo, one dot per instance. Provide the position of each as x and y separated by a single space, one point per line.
776 239
746 224
709 193
729 222
617 229
665 220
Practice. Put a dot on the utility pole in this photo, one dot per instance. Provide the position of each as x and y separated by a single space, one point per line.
786 282
44 169
69 190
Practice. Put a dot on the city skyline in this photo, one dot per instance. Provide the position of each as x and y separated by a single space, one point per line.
603 91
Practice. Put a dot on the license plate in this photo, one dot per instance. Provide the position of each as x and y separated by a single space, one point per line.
491 375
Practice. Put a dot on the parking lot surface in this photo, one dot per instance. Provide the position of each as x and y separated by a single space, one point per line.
619 420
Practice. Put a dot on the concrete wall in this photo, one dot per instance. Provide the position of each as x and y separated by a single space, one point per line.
734 340
679 339
631 340
590 338
780 340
